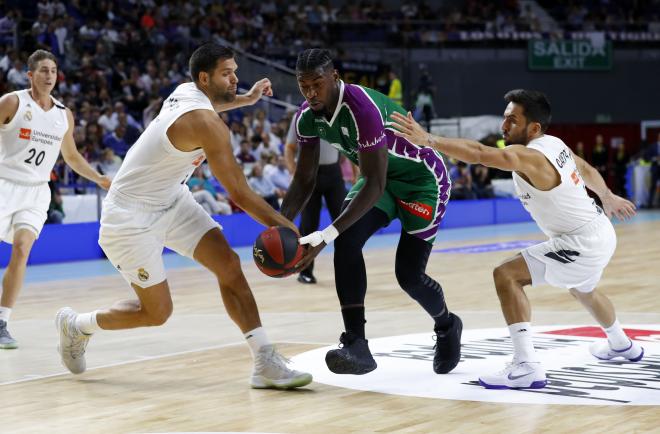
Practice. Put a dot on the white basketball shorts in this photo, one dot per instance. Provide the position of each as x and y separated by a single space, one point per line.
133 236
573 260
22 206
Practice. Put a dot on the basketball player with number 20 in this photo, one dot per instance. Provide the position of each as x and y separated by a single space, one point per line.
33 128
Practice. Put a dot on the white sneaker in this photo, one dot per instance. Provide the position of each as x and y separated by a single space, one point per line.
271 371
72 341
603 351
525 375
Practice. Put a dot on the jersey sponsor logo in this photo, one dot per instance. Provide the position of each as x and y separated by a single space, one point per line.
575 177
563 256
197 161
27 116
25 133
417 208
371 144
575 377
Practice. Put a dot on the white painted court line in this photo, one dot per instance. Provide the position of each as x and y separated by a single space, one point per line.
34 377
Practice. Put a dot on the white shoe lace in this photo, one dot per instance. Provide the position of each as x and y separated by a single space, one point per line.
78 342
271 357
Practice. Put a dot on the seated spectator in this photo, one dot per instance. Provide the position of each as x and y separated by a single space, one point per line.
278 174
264 187
481 184
116 141
17 75
245 156
55 209
109 163
204 193
461 181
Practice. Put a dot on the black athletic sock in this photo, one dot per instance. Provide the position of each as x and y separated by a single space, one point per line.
354 320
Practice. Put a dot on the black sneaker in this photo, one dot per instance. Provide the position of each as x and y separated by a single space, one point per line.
307 278
448 346
352 356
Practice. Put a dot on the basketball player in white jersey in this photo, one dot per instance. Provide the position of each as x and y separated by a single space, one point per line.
34 127
149 207
550 182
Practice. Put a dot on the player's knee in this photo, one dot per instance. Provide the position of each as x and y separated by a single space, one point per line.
584 297
408 279
159 315
503 278
229 269
21 249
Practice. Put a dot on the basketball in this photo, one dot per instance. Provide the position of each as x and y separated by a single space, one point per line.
276 251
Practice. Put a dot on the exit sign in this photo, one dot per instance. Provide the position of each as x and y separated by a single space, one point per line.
569 55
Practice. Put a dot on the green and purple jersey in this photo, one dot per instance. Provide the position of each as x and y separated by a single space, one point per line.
418 183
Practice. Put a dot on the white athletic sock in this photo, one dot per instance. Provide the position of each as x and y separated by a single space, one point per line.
616 336
86 322
5 313
256 339
523 348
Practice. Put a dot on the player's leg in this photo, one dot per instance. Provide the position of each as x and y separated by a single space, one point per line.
152 308
309 222
12 281
193 233
270 369
412 256
618 344
354 356
525 371
23 211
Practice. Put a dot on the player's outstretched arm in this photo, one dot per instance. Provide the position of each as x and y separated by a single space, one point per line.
76 161
512 158
259 89
303 182
204 127
613 205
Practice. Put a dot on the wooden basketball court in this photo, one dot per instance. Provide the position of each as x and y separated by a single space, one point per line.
191 374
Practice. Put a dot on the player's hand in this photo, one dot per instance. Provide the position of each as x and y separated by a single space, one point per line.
310 254
618 207
409 129
260 88
104 182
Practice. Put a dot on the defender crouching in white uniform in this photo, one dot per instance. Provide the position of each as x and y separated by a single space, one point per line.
150 207
550 182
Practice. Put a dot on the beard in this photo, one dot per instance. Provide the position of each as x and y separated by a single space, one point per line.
516 139
222 96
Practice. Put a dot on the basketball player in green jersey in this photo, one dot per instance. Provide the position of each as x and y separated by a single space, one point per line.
398 180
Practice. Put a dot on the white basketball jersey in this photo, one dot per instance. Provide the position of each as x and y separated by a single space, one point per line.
566 207
154 171
30 143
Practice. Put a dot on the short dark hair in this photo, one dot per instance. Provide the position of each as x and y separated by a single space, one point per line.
38 56
314 58
206 57
535 104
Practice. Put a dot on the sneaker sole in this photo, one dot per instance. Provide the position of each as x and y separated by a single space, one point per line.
540 384
636 359
260 382
339 365
9 346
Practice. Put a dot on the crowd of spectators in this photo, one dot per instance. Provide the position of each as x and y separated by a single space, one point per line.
119 59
